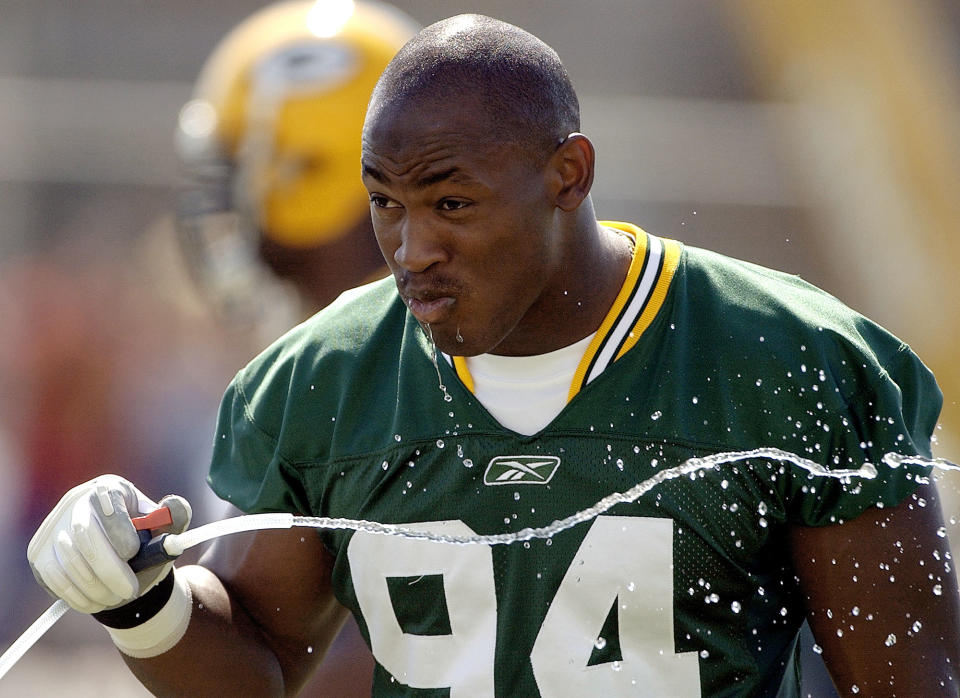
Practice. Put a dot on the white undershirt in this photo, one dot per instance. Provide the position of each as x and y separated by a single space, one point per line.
525 393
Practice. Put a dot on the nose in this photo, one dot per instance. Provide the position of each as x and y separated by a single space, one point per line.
421 246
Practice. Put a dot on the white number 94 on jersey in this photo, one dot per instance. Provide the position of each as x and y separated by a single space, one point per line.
622 560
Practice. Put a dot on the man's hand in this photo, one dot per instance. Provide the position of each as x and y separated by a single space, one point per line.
80 551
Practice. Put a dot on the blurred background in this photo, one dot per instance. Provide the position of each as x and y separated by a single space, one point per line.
820 137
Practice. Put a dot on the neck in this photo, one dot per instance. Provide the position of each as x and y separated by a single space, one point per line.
589 278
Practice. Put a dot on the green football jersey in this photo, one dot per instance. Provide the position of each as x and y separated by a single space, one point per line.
688 590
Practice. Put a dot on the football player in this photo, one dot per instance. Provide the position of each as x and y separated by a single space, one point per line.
526 362
273 217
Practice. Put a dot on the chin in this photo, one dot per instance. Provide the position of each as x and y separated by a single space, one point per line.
448 343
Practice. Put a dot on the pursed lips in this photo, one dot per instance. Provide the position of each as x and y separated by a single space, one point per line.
430 310
429 303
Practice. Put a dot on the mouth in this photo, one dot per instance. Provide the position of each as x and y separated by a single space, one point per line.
429 309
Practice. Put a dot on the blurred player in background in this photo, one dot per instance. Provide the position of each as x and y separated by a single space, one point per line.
275 221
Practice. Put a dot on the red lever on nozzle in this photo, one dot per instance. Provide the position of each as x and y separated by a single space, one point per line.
157 518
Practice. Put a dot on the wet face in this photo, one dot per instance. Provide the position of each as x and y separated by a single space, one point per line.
466 224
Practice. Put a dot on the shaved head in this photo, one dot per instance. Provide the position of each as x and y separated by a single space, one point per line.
516 83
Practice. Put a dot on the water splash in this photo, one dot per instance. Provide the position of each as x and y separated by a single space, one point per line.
867 471
433 358
177 544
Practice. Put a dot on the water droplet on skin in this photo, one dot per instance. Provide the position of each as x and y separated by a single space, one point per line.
459 336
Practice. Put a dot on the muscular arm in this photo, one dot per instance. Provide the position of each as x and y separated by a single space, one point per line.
263 617
882 600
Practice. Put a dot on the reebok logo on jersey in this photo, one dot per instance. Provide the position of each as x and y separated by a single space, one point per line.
521 470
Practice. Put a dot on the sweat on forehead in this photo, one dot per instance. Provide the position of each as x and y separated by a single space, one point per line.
514 79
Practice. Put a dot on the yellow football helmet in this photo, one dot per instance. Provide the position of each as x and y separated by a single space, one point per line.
271 136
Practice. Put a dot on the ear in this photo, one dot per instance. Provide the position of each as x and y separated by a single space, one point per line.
571 167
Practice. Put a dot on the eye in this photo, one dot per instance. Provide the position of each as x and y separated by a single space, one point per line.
452 204
381 201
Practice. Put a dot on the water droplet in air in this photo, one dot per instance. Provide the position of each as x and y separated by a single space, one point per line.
891 640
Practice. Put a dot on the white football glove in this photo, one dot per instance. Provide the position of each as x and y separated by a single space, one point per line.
80 551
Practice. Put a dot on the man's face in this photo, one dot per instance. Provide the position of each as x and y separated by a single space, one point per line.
466 225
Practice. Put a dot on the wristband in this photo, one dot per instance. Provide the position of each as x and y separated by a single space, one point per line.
141 609
153 623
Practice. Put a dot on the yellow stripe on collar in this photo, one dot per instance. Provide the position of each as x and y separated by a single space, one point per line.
633 274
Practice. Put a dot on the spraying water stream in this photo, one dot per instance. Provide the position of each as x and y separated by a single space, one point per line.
257 522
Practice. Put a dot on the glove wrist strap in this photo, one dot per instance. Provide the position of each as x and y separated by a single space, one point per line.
153 623
141 609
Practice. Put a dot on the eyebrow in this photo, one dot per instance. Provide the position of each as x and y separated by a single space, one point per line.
423 182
